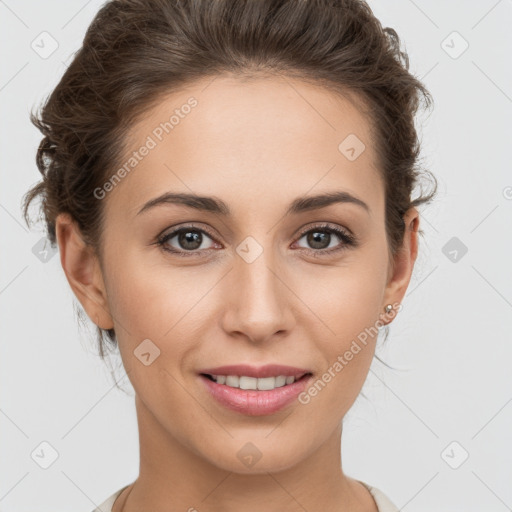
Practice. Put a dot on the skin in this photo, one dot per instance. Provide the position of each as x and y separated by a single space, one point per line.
257 145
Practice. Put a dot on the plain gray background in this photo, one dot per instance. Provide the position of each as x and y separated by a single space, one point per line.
434 435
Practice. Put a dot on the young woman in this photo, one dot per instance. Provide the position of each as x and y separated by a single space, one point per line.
230 185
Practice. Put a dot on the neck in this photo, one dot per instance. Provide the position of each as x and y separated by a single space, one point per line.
172 474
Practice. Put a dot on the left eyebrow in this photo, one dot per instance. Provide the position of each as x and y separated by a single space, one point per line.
216 205
307 203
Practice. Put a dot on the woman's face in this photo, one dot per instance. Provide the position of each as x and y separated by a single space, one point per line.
261 280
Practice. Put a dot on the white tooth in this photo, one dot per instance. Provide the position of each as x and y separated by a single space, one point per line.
280 381
267 383
232 380
262 384
248 382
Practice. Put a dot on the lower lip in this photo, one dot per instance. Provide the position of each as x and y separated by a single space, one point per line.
253 402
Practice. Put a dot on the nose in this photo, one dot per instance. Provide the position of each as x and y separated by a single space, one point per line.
257 300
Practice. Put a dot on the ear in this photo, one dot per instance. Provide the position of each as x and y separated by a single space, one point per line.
400 273
83 272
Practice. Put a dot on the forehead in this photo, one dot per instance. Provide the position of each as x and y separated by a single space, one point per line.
268 138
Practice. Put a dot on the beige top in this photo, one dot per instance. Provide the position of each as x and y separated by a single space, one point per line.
382 501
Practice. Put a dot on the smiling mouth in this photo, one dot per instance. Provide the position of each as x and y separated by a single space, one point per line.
253 383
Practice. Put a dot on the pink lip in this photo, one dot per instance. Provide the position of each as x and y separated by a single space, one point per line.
269 370
253 402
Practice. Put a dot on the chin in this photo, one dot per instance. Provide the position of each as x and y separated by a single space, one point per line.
256 457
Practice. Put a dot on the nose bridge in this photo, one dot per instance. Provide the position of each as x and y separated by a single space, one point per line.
258 304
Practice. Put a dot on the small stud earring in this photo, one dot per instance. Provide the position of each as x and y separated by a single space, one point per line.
388 308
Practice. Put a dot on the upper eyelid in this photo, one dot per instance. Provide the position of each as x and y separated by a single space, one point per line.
175 231
326 226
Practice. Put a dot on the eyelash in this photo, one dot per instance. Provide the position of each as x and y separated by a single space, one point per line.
347 238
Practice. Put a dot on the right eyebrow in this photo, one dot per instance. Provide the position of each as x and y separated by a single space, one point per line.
207 204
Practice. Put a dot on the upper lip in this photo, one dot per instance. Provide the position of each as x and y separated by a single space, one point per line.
269 370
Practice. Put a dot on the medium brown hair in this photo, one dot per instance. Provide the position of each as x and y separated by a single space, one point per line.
136 51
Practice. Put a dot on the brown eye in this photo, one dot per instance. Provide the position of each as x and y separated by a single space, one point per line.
190 240
326 239
318 239
185 240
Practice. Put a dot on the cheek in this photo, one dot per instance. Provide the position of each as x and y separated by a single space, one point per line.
142 300
346 339
347 302
138 303
346 299
158 303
